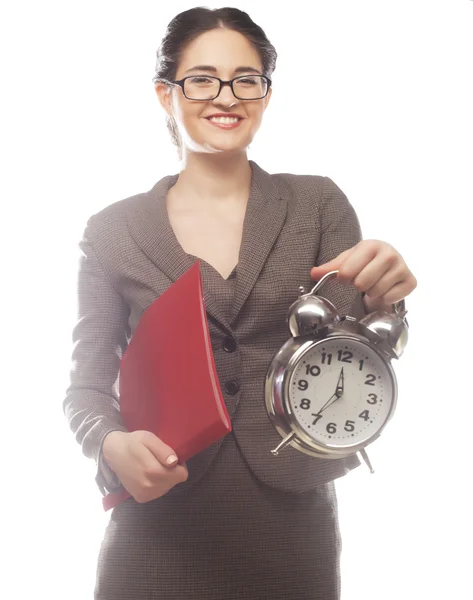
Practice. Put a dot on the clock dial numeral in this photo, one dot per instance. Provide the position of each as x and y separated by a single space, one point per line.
340 393
326 357
345 356
302 384
305 403
373 399
313 370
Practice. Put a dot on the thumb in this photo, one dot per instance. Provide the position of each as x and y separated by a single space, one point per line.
162 452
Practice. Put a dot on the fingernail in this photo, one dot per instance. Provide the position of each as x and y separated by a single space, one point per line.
171 458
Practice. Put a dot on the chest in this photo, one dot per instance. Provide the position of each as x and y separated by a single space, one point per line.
214 236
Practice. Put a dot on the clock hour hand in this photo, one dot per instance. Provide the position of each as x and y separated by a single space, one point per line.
339 390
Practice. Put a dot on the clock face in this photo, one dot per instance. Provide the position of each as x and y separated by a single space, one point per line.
341 392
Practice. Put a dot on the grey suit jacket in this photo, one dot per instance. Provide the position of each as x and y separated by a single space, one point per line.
130 255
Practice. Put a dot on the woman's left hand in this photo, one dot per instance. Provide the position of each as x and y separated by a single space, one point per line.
373 267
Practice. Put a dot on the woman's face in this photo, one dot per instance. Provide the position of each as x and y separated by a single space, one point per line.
224 52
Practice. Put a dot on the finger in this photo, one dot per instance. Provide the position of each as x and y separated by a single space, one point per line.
145 459
162 452
391 277
355 262
319 271
179 473
396 293
158 474
375 272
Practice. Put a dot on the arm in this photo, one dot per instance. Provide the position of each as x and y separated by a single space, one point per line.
340 230
91 404
373 266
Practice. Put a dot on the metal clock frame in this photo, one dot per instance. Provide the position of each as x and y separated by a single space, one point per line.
277 395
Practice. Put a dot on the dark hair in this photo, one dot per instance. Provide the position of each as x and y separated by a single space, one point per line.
188 25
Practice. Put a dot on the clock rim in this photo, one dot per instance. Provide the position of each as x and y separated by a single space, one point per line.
278 402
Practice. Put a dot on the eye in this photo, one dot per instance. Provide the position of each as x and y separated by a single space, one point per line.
201 79
248 81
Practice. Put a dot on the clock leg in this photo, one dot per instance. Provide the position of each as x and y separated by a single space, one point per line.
285 442
367 460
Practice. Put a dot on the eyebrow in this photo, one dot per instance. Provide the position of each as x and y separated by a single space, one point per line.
214 70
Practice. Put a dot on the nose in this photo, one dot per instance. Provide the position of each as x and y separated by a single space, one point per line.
226 96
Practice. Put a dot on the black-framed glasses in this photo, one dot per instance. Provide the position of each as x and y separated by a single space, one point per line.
208 87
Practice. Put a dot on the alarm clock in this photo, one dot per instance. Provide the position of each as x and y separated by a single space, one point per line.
331 389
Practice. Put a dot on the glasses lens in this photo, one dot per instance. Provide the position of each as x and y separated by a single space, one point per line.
201 88
250 87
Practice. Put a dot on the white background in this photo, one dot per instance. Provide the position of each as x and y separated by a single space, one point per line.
376 95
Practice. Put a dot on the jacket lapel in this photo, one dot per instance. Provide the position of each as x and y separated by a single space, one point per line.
150 228
264 219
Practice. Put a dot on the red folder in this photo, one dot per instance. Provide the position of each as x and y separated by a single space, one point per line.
168 382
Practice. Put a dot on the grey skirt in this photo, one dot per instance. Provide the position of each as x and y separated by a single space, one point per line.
229 537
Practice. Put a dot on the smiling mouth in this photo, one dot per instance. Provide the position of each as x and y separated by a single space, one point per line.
224 122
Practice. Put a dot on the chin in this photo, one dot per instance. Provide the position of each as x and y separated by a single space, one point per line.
209 148
216 144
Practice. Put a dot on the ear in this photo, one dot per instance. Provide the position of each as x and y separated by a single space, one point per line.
267 99
163 91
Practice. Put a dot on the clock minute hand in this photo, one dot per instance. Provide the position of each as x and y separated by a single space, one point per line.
332 398
338 393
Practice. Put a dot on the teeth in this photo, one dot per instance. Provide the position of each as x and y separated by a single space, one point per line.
224 120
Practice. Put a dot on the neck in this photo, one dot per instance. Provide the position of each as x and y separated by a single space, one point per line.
214 178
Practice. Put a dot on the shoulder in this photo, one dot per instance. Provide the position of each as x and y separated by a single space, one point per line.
309 194
318 196
311 187
118 214
314 189
120 209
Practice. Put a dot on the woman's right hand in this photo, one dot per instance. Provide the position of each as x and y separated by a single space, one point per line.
143 463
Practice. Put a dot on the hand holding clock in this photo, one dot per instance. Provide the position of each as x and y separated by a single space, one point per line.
373 267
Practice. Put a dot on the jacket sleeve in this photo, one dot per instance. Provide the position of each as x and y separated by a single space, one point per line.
91 404
340 230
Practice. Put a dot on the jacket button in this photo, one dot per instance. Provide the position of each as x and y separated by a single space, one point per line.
229 344
232 387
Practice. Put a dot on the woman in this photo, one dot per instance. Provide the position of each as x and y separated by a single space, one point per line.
235 522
